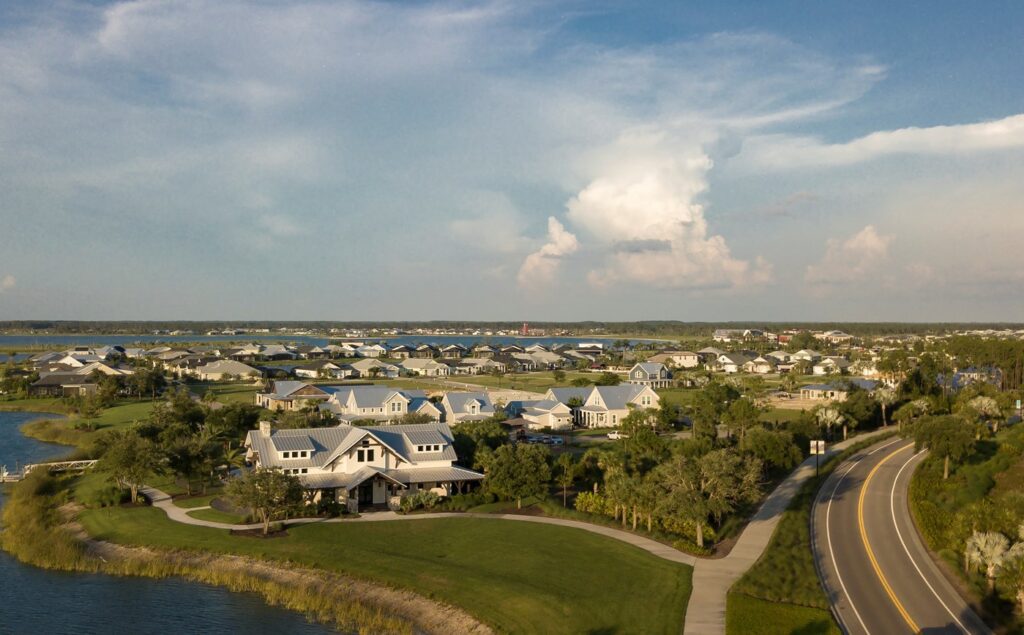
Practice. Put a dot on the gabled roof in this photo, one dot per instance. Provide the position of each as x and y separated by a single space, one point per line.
616 397
651 367
459 402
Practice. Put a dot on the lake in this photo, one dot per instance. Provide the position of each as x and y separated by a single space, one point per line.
37 601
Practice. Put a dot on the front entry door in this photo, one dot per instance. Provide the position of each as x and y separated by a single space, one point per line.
366 493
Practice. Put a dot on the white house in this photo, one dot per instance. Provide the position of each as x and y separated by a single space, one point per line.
604 406
320 368
760 365
466 406
364 467
223 368
650 374
542 413
679 359
425 367
365 368
830 366
371 350
379 403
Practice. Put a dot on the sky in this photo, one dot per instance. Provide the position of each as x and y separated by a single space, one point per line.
218 160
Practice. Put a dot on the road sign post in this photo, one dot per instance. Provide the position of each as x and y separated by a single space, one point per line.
817 449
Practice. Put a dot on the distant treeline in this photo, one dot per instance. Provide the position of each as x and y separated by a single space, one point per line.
653 328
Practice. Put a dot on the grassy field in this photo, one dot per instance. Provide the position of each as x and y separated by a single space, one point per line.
64 431
217 516
44 404
195 501
752 615
226 393
517 577
536 382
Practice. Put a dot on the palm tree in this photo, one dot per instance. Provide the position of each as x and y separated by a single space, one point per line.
986 549
885 398
987 409
829 417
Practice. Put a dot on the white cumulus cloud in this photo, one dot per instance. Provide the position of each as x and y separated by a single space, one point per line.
642 208
853 260
540 268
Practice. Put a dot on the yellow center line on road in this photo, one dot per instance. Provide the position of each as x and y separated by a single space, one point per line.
864 537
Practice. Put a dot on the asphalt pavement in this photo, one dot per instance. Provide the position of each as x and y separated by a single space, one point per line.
879 576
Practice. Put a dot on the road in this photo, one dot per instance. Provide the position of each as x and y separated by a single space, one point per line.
875 568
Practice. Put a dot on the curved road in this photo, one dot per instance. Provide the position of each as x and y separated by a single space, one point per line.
879 576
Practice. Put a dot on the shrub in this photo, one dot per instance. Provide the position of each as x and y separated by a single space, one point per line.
423 498
593 503
462 502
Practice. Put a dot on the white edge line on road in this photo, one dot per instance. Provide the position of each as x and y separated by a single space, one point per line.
899 534
828 535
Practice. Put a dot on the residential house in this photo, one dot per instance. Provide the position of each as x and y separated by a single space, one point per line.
370 367
677 359
371 350
805 355
223 369
400 351
378 403
453 351
834 337
364 467
425 367
466 406
732 362
320 368
484 350
837 391
831 366
311 352
291 395
542 414
760 365
63 385
650 374
604 406
424 351
277 352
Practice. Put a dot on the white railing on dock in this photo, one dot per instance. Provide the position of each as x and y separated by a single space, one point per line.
57 466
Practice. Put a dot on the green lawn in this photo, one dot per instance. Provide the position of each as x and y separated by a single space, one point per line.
64 431
226 393
195 501
217 516
746 614
678 396
42 404
536 382
517 577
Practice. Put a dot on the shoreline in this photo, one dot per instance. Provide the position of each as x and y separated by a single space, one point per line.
339 601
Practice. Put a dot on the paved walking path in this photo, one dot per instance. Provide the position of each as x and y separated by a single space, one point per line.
712 579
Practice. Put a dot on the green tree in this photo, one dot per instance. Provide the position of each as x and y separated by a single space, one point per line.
709 486
945 438
986 550
268 492
472 436
608 379
518 471
828 417
558 375
1011 576
565 474
885 397
741 415
774 449
129 459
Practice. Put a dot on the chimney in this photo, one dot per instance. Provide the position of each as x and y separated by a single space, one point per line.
265 429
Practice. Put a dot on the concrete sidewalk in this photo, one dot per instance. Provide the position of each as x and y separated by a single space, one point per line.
712 579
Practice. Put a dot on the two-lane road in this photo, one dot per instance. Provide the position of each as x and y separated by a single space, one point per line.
875 569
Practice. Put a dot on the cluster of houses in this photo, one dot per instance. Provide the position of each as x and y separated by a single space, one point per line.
559 409
74 372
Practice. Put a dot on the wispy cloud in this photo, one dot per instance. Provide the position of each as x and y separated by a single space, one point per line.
780 152
854 260
7 283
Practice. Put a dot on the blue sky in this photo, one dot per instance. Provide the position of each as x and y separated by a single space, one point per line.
511 160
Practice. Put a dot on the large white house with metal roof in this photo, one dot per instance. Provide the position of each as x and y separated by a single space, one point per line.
364 466
604 406
379 403
466 406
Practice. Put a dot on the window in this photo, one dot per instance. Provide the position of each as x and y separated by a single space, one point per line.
304 471
369 455
360 456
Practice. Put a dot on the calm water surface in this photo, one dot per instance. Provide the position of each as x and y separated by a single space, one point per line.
34 601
